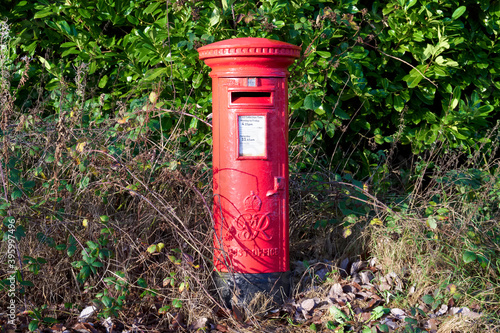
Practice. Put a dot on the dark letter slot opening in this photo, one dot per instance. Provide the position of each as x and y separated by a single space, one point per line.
251 97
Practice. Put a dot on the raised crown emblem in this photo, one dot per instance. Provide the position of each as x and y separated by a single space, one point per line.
252 203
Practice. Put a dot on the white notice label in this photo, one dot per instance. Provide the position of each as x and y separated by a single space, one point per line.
252 135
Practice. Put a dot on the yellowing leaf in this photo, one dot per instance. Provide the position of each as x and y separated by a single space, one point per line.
80 146
85 223
452 289
377 221
431 222
151 248
160 246
153 97
123 120
347 232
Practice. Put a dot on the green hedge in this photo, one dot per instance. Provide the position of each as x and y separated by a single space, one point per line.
371 73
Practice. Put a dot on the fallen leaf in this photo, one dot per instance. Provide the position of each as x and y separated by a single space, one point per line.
431 324
84 327
372 303
384 287
350 289
366 277
335 290
364 316
308 304
200 323
398 313
363 295
357 266
87 312
59 327
343 266
238 313
178 321
442 310
221 328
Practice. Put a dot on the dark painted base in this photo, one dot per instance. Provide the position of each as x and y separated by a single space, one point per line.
242 287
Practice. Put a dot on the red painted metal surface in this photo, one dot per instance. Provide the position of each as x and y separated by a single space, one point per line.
250 153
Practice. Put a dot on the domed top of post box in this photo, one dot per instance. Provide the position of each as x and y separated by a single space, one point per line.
249 57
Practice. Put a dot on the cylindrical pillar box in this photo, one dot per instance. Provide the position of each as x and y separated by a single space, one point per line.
250 166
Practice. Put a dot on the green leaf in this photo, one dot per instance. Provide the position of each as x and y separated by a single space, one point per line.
215 17
164 309
399 103
29 184
320 111
458 12
107 301
383 328
428 299
17 193
45 63
324 54
92 245
413 79
69 187
226 4
43 13
312 102
341 114
411 4
85 182
97 264
154 73
469 257
331 325
152 7
379 312
33 325
103 81
411 320
49 320
177 303
457 92
338 315
485 109
27 283
197 80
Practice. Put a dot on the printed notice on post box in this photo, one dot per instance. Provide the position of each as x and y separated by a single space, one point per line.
252 135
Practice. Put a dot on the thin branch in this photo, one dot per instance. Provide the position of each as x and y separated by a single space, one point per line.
404 62
187 114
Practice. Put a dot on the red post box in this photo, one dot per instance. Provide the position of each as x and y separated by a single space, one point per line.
250 165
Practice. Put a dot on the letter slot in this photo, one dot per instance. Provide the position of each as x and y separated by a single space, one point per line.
252 97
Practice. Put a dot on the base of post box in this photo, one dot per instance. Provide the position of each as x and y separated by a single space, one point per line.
242 287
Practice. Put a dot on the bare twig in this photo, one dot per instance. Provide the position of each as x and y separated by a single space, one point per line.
187 114
404 62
